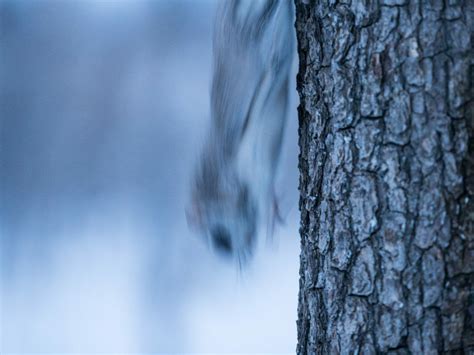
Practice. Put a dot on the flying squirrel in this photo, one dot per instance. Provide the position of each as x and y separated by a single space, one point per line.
233 184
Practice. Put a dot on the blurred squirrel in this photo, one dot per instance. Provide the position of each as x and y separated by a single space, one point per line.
233 186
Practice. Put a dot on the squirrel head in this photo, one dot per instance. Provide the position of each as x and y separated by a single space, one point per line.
224 211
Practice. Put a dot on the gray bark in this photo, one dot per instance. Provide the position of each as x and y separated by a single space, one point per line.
387 176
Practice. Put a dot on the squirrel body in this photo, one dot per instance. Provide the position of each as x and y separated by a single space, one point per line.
233 186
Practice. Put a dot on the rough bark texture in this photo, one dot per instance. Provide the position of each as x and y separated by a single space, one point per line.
387 176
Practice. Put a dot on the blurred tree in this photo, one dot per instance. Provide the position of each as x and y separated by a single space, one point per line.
387 176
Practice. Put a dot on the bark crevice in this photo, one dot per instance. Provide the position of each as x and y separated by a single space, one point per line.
386 176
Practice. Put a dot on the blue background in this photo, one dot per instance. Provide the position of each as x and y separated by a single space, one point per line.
104 108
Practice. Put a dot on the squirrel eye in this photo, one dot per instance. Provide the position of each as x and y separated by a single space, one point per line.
221 240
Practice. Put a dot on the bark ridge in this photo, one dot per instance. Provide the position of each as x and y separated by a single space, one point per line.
386 176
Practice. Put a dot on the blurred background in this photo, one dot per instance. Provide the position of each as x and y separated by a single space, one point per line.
104 107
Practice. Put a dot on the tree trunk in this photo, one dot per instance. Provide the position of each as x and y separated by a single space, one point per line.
387 176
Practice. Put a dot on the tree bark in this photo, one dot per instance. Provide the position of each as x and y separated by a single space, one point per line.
386 176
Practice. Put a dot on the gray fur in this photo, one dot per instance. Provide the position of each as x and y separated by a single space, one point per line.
233 187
